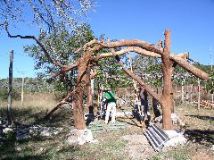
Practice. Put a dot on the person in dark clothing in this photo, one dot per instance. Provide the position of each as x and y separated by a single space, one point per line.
143 96
155 105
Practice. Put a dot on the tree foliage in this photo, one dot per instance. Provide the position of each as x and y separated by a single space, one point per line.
61 31
149 69
61 47
111 75
46 14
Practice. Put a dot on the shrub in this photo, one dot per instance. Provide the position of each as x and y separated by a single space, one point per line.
4 94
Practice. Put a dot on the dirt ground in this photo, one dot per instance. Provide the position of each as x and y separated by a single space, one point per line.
125 141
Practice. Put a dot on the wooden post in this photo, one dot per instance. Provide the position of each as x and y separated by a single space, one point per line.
191 91
212 94
22 91
90 96
10 87
93 94
134 82
167 70
182 91
212 98
199 93
98 95
106 78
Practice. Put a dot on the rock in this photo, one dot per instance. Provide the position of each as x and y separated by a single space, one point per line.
80 137
41 149
44 131
175 138
7 130
18 148
25 132
176 120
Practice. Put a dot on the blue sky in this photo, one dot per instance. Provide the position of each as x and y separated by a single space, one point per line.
190 21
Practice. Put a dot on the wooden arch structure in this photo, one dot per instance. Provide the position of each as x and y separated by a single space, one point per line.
90 57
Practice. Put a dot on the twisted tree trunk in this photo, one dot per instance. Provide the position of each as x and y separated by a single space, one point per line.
82 83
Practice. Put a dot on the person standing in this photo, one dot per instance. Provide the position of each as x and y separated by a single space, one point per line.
143 95
110 99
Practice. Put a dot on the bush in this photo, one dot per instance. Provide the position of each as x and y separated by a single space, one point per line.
4 94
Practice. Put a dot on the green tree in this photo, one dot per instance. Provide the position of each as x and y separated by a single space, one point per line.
111 74
149 69
61 46
44 14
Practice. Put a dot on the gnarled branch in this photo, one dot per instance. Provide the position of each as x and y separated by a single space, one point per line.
189 67
138 43
65 69
149 89
55 62
126 50
64 101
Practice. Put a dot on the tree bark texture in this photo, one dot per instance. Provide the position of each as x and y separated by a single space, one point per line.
167 83
82 83
190 68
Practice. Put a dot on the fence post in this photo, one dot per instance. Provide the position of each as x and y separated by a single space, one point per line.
212 94
22 92
182 91
10 87
191 91
199 93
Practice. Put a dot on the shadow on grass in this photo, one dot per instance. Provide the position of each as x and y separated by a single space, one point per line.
10 148
9 151
21 157
200 136
30 116
202 117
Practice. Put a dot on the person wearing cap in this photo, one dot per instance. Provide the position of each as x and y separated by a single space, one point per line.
110 99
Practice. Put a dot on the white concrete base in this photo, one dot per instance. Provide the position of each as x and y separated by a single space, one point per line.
80 137
175 138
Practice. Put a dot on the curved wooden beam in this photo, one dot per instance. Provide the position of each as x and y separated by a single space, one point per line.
190 68
137 43
180 59
126 50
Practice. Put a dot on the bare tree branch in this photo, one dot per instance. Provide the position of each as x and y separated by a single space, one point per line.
138 43
189 67
55 62
65 69
126 50
149 89
180 59
64 101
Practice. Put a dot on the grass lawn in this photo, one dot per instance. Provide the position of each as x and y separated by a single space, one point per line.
199 130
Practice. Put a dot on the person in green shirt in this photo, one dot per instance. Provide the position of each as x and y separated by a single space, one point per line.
110 99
